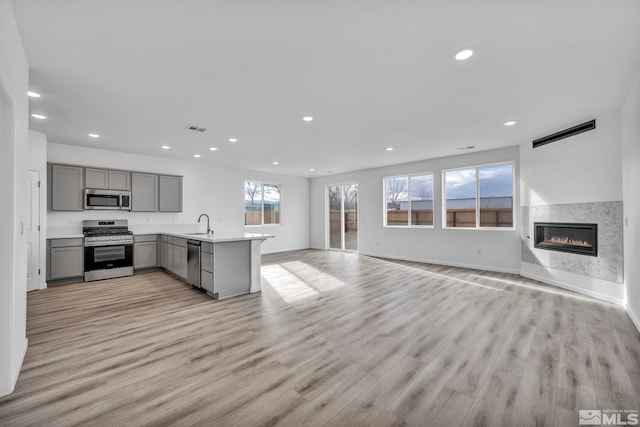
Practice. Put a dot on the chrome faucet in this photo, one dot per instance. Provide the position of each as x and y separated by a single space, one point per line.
209 230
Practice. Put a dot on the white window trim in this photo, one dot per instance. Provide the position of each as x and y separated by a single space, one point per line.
384 200
261 182
477 169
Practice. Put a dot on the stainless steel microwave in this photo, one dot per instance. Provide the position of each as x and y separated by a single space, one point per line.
107 199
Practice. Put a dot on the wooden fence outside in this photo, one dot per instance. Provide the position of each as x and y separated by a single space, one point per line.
350 221
489 217
255 217
418 217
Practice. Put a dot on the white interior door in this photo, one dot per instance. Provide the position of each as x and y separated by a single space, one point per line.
32 229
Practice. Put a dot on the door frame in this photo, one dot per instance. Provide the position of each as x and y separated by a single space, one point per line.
7 241
40 277
327 228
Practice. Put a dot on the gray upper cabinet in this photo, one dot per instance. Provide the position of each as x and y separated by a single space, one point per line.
107 179
119 180
170 193
66 185
149 192
144 192
96 178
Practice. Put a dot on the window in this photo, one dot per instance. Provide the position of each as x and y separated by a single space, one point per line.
409 200
479 197
261 203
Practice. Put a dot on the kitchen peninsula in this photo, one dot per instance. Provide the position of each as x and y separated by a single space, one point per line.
222 264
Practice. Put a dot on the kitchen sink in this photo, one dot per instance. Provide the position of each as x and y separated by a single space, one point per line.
196 234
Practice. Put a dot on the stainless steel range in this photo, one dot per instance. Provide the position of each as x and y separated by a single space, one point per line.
108 249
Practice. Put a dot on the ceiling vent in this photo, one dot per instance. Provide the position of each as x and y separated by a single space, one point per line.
575 130
195 128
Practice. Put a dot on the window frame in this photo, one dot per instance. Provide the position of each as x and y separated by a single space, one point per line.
384 200
244 209
477 174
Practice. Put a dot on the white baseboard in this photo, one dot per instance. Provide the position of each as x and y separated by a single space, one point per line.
633 317
22 355
438 262
16 371
608 297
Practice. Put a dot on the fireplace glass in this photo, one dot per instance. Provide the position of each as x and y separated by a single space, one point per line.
567 237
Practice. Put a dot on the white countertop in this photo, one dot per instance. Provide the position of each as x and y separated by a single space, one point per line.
213 238
65 236
220 237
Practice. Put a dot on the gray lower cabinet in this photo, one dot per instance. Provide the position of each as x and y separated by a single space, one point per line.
144 192
145 251
179 257
206 267
225 267
170 193
206 281
65 259
66 184
166 255
231 268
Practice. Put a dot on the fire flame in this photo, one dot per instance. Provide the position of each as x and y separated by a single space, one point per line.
568 241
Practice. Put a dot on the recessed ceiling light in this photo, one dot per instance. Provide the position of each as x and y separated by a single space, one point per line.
165 147
307 118
38 116
213 148
276 163
33 94
197 156
389 148
311 170
233 140
510 123
464 54
94 135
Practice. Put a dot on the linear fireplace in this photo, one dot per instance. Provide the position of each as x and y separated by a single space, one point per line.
564 237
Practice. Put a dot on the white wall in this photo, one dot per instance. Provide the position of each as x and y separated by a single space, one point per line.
580 169
14 81
631 197
499 250
583 168
215 190
37 161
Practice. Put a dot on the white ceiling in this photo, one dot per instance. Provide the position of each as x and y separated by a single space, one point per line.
373 74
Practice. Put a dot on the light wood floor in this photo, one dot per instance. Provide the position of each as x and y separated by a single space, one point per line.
334 339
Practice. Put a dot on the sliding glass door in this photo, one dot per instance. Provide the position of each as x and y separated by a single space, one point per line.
343 216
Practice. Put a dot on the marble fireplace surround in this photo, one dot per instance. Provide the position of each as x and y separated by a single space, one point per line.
608 215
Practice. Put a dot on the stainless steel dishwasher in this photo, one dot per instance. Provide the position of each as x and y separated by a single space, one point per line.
193 262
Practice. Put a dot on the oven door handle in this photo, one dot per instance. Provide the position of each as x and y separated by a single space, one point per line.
101 244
